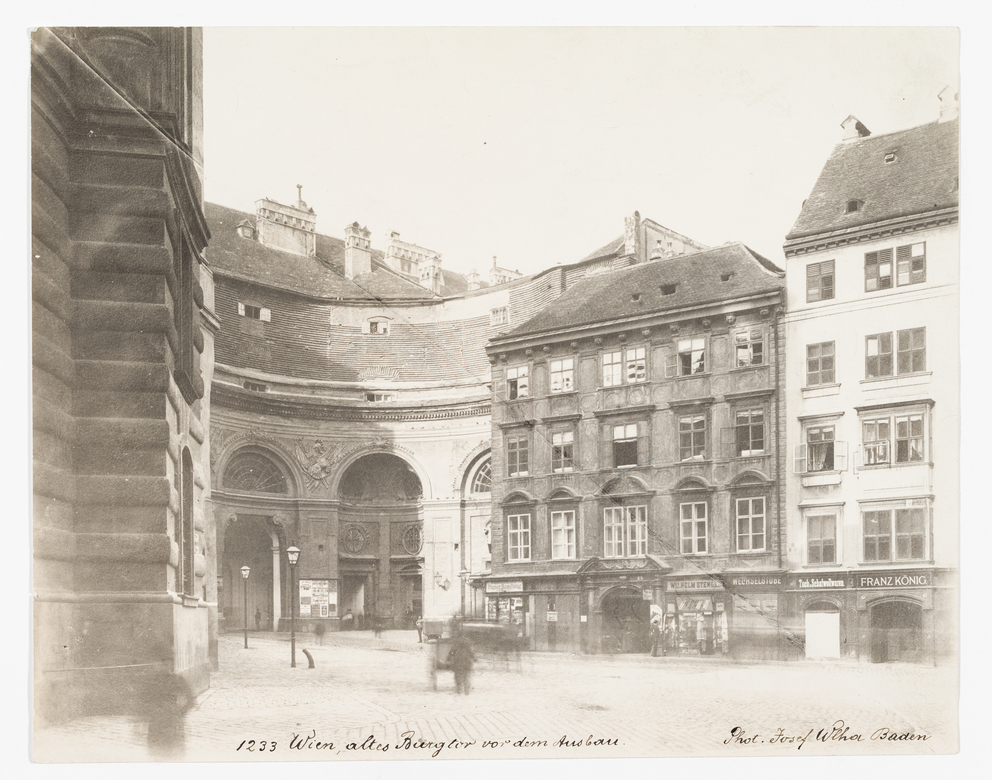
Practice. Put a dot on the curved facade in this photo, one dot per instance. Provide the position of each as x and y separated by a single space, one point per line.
362 378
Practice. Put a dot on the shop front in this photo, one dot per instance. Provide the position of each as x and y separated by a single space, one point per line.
758 631
895 615
696 619
824 606
507 605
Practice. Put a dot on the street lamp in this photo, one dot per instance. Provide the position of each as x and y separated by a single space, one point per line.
244 575
294 556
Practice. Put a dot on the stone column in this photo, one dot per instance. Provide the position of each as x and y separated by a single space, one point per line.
276 583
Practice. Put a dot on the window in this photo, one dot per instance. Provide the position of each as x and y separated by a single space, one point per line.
668 289
820 444
852 205
691 356
516 456
878 442
821 539
692 437
612 369
749 433
256 387
482 482
750 524
693 527
911 264
636 364
518 538
911 353
500 316
563 535
906 526
631 363
254 312
625 531
820 364
562 375
254 473
378 328
516 382
911 350
821 452
820 281
749 347
379 397
878 270
561 451
878 355
910 267
625 445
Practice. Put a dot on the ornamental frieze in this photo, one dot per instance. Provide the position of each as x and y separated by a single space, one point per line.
625 563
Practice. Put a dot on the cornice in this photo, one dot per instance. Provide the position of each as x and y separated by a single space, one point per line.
234 398
819 242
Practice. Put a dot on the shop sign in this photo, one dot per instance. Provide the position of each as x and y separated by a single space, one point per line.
318 598
744 581
507 586
893 579
552 617
700 583
821 581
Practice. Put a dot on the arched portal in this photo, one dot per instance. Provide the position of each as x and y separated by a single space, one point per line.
626 621
380 540
822 620
251 541
896 631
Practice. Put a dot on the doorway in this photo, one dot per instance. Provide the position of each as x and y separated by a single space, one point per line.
896 632
822 630
626 622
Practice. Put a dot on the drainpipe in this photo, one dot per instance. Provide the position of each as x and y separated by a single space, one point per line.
778 434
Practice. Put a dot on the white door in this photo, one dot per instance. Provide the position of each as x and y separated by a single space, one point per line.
823 634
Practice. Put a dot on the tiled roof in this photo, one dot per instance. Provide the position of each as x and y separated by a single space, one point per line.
321 276
922 177
605 251
698 279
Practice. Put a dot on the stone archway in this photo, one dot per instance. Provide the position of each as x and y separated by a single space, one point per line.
625 621
254 541
896 631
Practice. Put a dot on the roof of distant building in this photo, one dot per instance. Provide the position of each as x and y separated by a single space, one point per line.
320 276
883 176
713 275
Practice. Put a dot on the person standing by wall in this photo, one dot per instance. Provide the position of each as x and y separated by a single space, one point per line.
420 629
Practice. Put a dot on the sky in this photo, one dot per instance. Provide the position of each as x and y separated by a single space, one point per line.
533 144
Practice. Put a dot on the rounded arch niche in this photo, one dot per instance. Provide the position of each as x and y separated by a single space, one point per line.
251 470
380 478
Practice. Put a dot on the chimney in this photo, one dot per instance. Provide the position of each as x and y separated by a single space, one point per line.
631 235
853 129
473 279
287 228
357 250
948 104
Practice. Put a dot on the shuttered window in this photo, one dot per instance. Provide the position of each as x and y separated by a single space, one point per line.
878 270
820 281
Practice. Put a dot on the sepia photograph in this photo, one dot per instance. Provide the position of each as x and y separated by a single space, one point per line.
409 393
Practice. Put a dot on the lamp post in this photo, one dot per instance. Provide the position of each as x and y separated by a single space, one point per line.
293 554
244 575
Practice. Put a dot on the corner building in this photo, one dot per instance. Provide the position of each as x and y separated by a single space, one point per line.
873 391
638 445
122 358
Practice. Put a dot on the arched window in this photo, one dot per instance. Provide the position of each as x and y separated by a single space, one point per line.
482 481
252 472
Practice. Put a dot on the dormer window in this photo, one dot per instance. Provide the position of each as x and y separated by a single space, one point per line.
853 205
378 398
890 157
376 327
668 289
726 277
254 312
256 387
636 297
499 316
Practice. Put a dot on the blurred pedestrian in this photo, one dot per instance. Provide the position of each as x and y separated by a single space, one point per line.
348 621
377 625
420 629
258 618
462 659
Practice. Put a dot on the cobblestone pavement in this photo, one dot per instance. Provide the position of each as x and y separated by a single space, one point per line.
372 699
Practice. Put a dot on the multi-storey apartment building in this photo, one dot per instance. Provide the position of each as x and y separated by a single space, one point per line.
637 450
872 396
